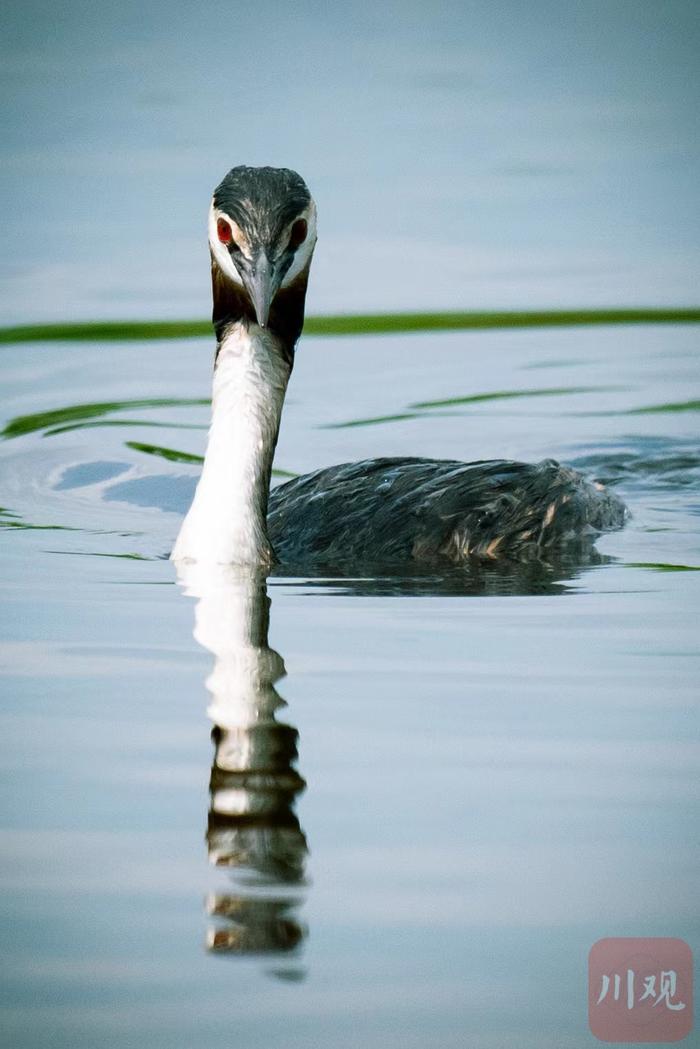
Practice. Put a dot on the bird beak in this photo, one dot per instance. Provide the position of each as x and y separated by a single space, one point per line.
262 287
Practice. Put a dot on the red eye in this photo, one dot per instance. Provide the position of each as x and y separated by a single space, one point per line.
224 231
298 234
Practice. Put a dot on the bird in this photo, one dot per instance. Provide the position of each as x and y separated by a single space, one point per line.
262 233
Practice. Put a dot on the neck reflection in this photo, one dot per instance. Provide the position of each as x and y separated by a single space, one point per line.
253 832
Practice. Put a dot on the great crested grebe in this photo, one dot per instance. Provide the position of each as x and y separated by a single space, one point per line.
262 233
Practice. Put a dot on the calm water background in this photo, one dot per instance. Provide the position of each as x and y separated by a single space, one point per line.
465 153
494 780
500 768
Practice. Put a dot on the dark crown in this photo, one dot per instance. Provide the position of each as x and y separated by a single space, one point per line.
262 201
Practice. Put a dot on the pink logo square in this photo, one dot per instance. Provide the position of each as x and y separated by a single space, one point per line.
640 989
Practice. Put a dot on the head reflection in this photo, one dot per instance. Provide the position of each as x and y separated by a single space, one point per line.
253 832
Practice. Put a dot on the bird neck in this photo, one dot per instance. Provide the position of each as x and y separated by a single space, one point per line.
227 522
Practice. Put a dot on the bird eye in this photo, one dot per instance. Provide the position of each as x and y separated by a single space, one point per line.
224 232
298 234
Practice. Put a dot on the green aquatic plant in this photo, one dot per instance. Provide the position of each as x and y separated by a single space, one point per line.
421 408
61 417
173 455
166 424
373 421
356 324
8 519
650 409
503 395
659 566
672 406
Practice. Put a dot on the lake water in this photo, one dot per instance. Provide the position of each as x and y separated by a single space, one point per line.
414 838
463 155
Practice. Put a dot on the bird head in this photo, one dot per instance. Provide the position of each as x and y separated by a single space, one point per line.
262 233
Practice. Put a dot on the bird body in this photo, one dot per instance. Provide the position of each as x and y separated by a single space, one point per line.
262 231
393 511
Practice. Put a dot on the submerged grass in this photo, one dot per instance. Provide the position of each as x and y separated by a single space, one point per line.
355 324
24 526
651 409
375 420
174 455
92 423
503 395
80 416
76 413
658 566
672 406
418 410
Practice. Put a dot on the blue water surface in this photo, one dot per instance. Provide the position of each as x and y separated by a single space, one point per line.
470 783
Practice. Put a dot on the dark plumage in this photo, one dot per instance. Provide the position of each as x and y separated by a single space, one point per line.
402 510
263 201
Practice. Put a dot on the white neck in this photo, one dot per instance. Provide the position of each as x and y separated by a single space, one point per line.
227 522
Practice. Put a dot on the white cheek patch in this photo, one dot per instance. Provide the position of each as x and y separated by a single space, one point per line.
304 252
220 251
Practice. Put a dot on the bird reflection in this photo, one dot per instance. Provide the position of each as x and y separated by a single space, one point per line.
550 574
253 832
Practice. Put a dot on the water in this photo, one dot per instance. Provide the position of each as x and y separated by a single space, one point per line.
474 777
464 155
